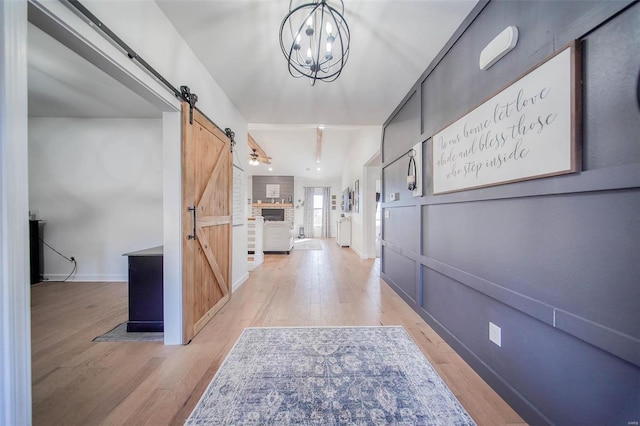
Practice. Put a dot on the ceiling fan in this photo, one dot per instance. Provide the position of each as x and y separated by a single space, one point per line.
253 158
258 155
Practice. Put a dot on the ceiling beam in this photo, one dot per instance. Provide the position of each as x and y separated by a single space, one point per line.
262 156
318 145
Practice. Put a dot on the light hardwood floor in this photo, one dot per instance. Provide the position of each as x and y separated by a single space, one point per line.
79 382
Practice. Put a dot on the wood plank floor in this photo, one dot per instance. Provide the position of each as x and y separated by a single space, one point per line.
78 382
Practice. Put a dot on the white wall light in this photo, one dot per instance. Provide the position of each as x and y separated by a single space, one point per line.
499 46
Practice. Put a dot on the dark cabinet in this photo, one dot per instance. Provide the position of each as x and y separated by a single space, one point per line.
36 254
145 290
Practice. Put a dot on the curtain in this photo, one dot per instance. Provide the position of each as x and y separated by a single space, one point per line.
326 212
308 211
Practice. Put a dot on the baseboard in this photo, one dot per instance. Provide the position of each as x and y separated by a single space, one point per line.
236 285
521 405
360 254
88 277
356 251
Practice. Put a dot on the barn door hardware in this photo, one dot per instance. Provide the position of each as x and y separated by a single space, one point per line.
190 98
193 211
231 135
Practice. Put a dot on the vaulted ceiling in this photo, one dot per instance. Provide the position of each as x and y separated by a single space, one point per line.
392 43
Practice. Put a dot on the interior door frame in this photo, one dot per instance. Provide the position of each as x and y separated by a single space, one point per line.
15 312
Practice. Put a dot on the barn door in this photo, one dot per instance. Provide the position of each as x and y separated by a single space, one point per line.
206 221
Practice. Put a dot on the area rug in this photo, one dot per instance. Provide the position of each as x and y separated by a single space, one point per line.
307 244
327 376
119 334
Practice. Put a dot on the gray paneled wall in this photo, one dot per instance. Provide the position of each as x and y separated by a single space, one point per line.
553 262
259 188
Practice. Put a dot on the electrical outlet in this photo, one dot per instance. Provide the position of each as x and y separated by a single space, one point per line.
495 334
395 196
387 214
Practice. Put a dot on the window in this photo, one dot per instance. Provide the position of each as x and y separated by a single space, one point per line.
317 210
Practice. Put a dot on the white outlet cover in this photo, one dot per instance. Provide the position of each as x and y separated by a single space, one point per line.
495 334
387 214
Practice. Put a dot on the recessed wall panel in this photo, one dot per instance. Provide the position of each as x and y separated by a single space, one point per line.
575 252
537 359
401 270
611 106
403 130
401 227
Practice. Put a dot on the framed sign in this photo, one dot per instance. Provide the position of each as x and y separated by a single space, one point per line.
273 190
530 129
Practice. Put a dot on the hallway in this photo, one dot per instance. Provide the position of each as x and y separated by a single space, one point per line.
76 381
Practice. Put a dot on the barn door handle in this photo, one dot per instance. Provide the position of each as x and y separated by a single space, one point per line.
193 211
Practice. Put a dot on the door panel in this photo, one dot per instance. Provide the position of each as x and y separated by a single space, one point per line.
206 186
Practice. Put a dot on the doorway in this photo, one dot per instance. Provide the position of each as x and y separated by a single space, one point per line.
92 47
372 218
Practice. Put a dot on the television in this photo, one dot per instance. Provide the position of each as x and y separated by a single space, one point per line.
346 200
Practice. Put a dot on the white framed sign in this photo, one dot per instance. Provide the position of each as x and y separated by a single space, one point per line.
528 130
272 190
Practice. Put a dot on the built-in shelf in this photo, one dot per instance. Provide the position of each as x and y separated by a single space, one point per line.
272 205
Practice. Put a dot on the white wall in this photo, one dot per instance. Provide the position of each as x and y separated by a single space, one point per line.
145 28
98 185
299 184
366 144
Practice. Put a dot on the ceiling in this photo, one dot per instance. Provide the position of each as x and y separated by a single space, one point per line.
392 43
62 84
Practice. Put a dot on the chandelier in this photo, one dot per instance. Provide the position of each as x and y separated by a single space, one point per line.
314 38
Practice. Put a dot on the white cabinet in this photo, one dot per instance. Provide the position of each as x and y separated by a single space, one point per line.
343 234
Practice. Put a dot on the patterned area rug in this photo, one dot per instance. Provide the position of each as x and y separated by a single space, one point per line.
307 244
119 334
327 376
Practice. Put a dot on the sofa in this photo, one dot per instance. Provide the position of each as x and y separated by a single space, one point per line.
277 237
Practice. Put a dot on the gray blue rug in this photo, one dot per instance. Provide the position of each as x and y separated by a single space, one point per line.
327 376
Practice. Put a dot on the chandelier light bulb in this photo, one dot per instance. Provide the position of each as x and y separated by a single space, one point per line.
308 60
309 30
296 45
329 28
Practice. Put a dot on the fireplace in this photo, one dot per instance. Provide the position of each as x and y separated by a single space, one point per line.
276 215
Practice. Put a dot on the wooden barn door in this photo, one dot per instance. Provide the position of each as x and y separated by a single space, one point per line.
206 221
